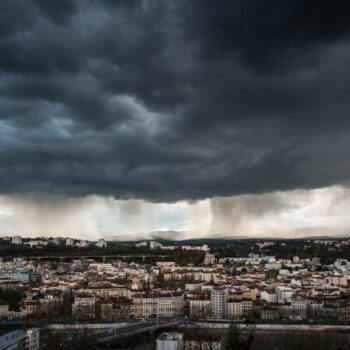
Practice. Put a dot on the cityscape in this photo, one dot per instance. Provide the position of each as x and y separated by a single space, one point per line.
173 289
174 175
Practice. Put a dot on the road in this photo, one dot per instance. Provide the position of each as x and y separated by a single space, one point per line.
62 322
132 329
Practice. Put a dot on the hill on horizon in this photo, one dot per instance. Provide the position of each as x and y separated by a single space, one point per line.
173 235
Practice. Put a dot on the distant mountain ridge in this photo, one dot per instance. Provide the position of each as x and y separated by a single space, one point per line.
172 235
169 235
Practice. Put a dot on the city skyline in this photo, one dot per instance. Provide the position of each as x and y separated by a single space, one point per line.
174 175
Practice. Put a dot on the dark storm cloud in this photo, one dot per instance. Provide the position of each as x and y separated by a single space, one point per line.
170 100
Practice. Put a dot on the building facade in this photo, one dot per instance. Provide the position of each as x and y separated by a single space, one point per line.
170 341
21 340
218 299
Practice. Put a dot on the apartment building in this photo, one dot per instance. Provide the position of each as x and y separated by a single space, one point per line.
170 341
21 275
165 304
84 307
284 294
200 307
21 340
234 309
218 298
145 305
16 240
268 295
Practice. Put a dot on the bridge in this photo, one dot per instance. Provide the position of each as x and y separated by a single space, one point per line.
132 329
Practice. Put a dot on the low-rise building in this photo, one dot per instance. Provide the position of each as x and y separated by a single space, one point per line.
170 341
202 341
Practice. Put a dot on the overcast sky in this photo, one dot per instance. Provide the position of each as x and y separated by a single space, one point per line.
122 116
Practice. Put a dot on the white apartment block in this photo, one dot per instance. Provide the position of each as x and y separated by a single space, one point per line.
101 243
193 286
284 294
24 276
16 240
203 248
154 245
170 341
218 300
21 340
70 241
269 296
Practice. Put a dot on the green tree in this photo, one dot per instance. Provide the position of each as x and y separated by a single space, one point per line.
11 296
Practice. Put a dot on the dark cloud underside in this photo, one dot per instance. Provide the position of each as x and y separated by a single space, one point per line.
171 100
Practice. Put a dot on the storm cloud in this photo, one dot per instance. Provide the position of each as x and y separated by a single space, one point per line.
173 100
